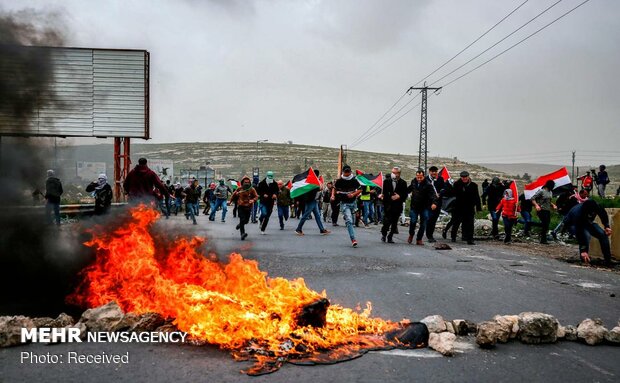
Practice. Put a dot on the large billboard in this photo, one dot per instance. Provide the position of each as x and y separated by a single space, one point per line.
88 93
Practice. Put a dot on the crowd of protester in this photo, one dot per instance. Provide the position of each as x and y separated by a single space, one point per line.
362 205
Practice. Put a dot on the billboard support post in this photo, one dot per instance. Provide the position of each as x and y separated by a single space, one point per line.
120 174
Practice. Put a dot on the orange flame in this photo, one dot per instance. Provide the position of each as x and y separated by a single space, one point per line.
230 305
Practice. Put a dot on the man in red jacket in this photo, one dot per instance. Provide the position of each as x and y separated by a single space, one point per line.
141 182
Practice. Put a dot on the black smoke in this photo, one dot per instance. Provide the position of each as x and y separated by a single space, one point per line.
37 261
25 64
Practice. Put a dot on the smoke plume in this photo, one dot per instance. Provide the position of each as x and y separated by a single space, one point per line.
37 261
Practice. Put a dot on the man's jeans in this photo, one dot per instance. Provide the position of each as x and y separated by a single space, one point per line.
413 215
348 212
52 206
369 211
379 210
583 232
527 221
189 211
178 203
254 211
283 215
312 207
265 213
495 223
219 202
508 224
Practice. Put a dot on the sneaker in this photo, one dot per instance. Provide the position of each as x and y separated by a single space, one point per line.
389 240
299 232
471 242
325 232
244 236
223 221
410 239
444 234
281 227
262 232
335 224
419 242
432 240
195 223
366 226
238 227
383 238
354 243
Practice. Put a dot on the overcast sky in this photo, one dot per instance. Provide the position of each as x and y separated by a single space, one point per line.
322 72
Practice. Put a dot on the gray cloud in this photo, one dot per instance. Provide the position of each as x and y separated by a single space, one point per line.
322 72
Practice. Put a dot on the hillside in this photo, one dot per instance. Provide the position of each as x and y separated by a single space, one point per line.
234 159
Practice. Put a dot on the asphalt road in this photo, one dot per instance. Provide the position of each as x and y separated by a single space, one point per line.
402 281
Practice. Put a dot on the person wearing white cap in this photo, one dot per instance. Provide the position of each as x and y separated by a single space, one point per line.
102 191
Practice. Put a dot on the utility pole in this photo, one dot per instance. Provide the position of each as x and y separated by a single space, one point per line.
342 158
256 170
423 150
573 170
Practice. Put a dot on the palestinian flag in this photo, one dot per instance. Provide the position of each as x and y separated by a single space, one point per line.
515 193
234 184
367 179
445 174
304 183
560 177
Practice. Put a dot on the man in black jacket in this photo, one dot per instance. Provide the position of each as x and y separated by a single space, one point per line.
393 196
192 197
423 201
493 194
102 191
268 193
437 183
53 191
581 220
467 200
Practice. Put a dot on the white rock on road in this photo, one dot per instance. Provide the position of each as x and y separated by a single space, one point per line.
442 342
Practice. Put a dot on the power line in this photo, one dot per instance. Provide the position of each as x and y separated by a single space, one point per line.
509 48
472 43
361 137
380 118
484 63
498 42
392 123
